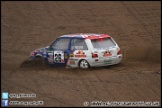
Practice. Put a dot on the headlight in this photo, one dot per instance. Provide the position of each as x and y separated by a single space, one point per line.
32 53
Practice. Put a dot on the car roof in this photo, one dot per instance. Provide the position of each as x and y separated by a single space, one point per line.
87 36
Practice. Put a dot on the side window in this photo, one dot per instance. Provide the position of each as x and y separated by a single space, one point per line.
78 44
61 44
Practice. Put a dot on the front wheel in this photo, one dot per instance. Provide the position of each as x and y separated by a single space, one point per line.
40 60
84 64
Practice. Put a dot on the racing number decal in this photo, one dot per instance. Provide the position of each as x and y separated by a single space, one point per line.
59 56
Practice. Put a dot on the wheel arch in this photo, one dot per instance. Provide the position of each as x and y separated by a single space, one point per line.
38 56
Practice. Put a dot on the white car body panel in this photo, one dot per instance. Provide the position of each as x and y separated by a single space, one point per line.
73 62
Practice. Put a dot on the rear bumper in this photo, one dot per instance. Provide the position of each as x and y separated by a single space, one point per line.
105 61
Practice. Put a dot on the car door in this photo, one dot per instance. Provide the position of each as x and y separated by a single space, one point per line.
61 51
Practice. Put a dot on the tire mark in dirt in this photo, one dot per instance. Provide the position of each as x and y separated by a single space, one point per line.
115 82
11 32
134 78
91 86
141 19
87 83
101 83
91 11
135 16
41 94
19 52
90 89
65 14
129 85
10 74
62 82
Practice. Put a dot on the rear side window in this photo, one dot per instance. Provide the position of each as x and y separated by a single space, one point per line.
78 44
103 43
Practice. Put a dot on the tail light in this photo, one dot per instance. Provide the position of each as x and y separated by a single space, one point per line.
94 55
119 52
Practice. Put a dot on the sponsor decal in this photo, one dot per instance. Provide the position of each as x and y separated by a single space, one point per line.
45 51
80 54
66 56
71 55
107 53
107 61
49 51
37 51
50 60
50 55
74 59
77 47
72 62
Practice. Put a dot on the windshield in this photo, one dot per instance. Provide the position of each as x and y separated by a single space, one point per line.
102 43
61 44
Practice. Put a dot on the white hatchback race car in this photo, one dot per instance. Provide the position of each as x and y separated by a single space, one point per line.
80 50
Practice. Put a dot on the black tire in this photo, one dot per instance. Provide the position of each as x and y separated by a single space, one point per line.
38 60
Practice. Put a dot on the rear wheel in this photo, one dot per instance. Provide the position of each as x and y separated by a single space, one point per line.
84 64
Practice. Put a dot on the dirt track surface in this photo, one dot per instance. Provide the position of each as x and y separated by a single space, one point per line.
134 25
